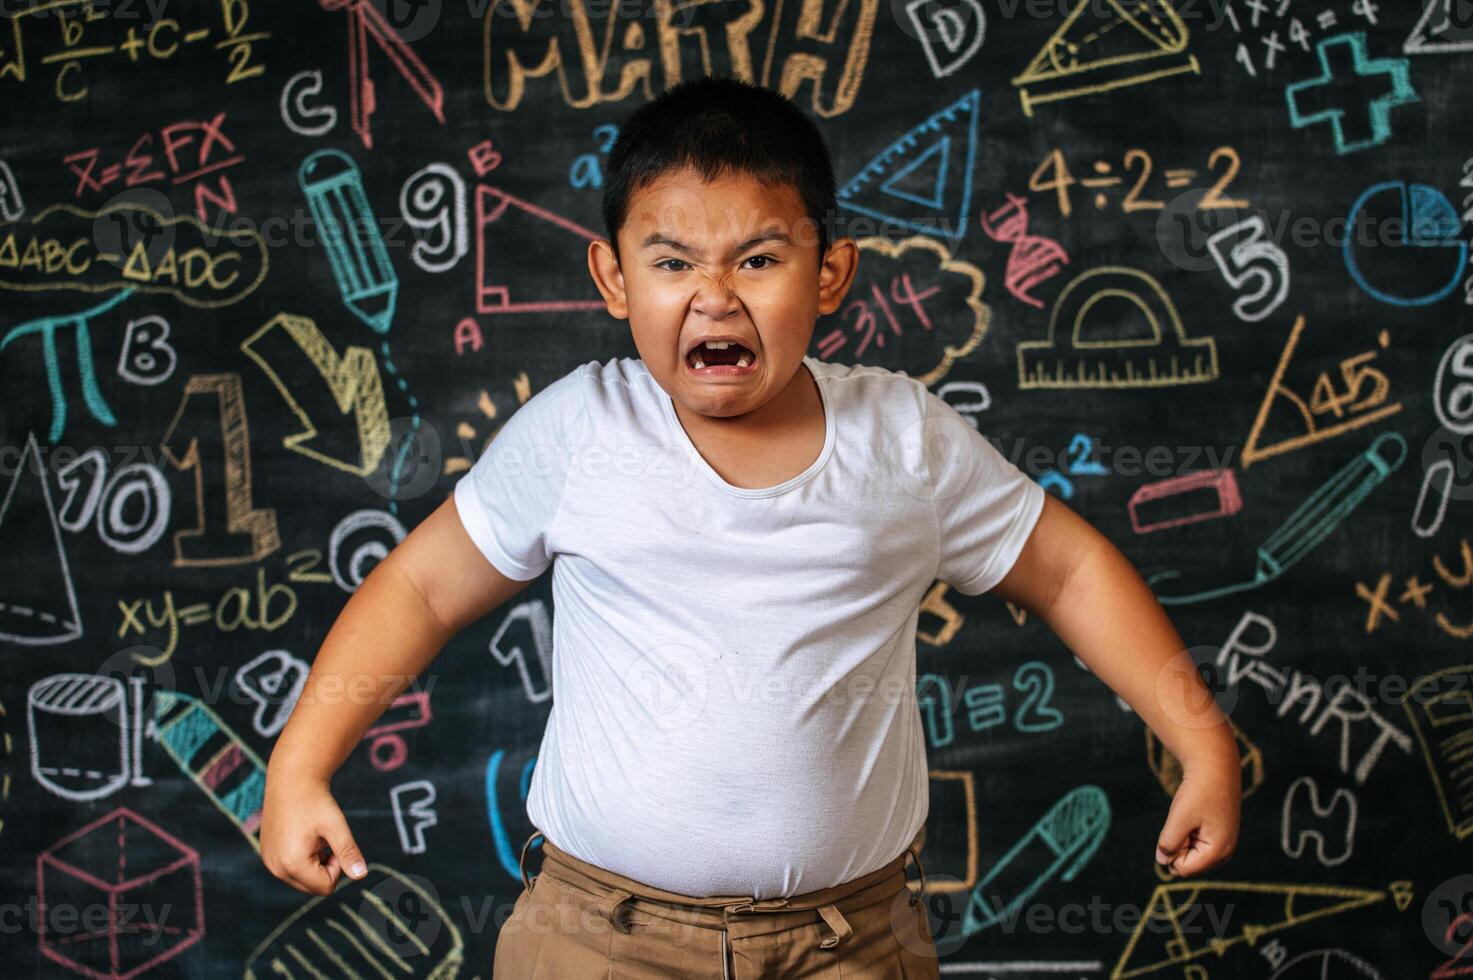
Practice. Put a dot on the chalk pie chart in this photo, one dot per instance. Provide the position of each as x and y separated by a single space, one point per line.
1403 244
1327 964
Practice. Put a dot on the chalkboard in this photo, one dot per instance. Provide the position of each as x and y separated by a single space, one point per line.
272 276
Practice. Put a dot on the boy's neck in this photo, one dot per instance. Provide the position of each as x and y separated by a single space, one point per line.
790 413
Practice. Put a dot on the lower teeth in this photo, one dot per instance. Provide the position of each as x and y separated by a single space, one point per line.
743 361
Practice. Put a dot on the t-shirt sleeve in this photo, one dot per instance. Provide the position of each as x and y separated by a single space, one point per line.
511 495
985 505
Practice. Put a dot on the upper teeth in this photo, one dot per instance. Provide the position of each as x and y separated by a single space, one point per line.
700 363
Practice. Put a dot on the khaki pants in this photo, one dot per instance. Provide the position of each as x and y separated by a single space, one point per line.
575 920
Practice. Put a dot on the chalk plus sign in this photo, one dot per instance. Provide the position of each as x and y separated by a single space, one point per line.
1359 102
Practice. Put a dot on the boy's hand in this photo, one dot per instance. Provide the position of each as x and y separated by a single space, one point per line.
434 583
1202 825
300 820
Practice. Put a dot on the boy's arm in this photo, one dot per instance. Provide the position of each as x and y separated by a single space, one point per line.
429 587
1073 578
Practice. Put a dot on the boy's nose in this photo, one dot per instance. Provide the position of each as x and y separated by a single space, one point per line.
715 298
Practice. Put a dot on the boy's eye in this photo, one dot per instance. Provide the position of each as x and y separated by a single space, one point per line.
765 259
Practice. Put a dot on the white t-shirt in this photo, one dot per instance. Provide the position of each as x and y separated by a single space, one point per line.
733 670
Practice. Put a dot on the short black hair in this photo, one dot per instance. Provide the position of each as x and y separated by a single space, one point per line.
718 125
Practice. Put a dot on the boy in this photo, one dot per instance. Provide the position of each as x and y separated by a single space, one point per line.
733 775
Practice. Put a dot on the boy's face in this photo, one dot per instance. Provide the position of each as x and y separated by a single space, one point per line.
734 257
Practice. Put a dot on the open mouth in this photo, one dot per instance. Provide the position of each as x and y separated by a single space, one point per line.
720 357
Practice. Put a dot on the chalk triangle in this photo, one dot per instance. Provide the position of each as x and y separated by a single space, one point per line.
515 240
923 180
136 265
39 607
926 173
1438 36
1104 46
1164 938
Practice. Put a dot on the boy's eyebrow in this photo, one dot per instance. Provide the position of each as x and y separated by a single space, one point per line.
766 235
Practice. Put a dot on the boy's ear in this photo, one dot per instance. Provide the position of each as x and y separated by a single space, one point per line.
836 274
608 277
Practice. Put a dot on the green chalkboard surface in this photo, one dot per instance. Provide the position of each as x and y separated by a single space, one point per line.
273 275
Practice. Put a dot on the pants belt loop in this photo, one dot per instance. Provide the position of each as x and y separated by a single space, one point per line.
609 906
522 863
742 906
838 923
920 892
